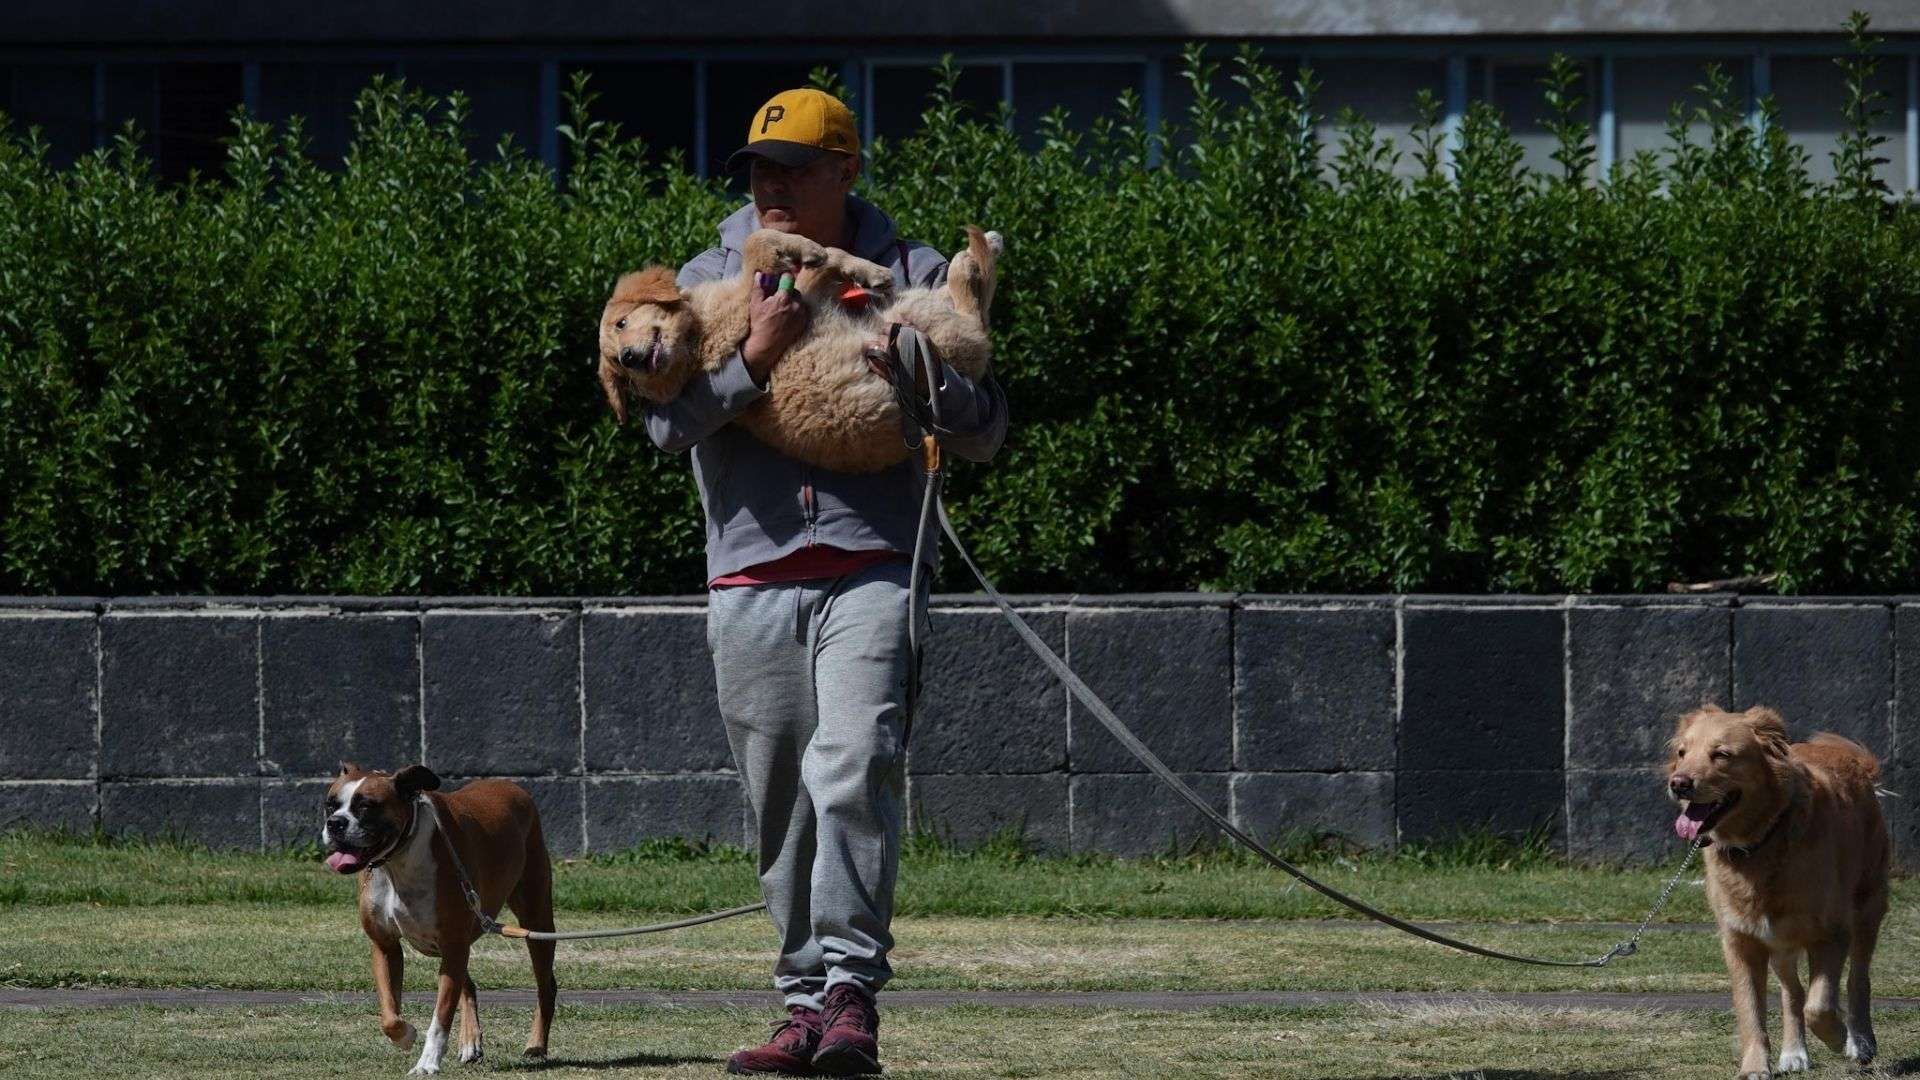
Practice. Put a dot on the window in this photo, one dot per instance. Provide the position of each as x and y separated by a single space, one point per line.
183 112
1382 90
650 102
734 91
58 99
502 100
901 93
1811 92
323 96
1086 90
196 107
1517 88
1646 88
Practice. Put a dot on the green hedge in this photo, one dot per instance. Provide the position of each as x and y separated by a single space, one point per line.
1236 359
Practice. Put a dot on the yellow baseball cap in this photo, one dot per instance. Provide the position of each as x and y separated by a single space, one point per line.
796 127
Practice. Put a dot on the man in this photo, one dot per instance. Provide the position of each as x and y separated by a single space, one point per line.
808 608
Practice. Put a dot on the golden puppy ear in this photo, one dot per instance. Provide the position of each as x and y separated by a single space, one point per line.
1770 729
654 285
615 389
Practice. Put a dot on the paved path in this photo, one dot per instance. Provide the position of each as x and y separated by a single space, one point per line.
1153 1000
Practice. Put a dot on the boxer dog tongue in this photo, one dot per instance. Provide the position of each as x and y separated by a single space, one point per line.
345 862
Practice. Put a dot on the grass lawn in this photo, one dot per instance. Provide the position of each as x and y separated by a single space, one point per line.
1496 1042
89 913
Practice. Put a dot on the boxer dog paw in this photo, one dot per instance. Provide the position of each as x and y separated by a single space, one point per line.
405 1039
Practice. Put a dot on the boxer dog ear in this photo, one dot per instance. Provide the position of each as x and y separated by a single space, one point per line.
415 779
348 768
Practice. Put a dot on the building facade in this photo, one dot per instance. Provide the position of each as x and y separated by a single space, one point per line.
685 77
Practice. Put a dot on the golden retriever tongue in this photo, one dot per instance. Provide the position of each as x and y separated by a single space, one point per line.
1689 822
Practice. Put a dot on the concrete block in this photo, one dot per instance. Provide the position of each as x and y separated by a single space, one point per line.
340 688
622 811
292 811
1634 671
1135 814
67 808
1822 668
502 692
968 810
990 705
221 814
1621 816
1314 689
179 696
1356 806
1906 720
1436 806
1483 689
650 699
1166 673
1902 815
557 798
48 675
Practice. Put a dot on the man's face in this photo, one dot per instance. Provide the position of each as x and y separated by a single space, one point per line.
809 201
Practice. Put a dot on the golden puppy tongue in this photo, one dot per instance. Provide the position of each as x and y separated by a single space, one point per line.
1689 822
343 862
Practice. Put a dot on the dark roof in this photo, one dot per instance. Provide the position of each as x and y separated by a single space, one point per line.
344 22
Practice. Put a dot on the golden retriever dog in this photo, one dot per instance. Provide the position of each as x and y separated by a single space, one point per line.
1797 856
825 403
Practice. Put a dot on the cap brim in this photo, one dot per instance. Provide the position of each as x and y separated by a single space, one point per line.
791 154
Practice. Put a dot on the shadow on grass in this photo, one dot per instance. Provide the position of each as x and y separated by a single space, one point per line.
1522 1074
627 1061
1907 1066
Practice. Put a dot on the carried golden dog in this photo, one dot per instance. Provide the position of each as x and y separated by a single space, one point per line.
1797 855
825 404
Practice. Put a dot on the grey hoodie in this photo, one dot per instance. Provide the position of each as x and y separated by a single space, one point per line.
762 504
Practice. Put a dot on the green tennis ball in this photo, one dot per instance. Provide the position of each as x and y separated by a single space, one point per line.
786 282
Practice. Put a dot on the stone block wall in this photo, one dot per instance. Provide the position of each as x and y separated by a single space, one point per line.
1382 719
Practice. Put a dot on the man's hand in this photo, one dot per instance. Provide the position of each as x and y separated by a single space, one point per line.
775 320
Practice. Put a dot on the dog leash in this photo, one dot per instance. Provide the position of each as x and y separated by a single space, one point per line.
926 416
490 925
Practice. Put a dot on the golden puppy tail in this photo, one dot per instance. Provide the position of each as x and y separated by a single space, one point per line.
974 291
1862 763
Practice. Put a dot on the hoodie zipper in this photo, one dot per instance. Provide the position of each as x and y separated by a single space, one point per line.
807 507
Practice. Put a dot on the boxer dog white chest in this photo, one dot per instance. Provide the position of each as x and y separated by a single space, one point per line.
401 894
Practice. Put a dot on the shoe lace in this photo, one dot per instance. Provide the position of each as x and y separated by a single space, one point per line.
781 1026
847 1001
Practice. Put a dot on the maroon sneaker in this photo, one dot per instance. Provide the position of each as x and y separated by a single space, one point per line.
850 1045
789 1052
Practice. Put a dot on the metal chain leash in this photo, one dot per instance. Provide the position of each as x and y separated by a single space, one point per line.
1632 944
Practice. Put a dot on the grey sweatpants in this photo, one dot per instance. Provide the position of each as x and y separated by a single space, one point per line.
813 689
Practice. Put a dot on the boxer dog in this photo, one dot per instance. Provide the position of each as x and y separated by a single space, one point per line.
378 826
